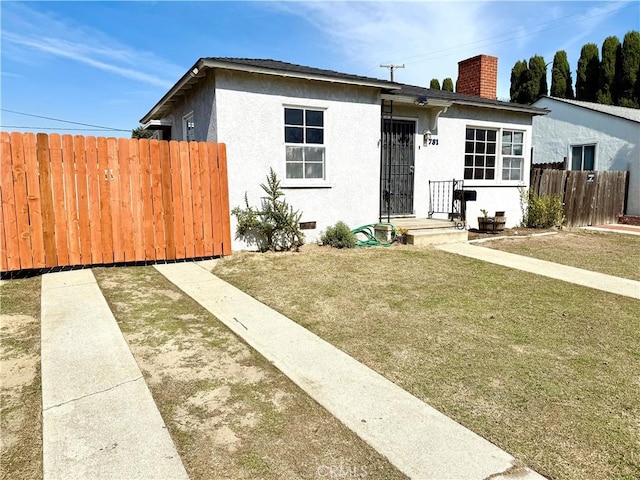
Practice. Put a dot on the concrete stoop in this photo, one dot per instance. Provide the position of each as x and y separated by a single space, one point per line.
436 236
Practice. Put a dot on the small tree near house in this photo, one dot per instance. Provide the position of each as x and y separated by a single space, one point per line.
275 225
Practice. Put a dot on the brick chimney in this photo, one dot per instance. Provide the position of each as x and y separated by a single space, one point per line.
478 76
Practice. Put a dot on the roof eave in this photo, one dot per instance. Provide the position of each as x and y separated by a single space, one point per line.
382 84
192 75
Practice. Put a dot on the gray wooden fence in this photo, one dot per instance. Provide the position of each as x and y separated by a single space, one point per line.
589 198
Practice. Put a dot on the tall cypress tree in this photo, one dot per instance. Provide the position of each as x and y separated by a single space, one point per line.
561 81
538 70
447 85
588 73
611 51
628 72
518 74
435 84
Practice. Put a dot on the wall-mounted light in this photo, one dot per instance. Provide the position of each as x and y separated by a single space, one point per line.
421 101
426 136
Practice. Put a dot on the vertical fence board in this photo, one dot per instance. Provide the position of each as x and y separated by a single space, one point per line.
187 204
116 200
196 189
147 199
9 206
207 225
93 194
69 173
75 200
224 200
176 199
136 201
4 264
167 206
215 198
80 152
124 184
156 186
21 202
46 196
33 197
106 223
59 207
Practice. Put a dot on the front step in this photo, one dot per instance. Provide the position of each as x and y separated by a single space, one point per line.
437 236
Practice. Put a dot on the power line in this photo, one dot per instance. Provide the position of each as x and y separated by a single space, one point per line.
483 42
66 129
63 121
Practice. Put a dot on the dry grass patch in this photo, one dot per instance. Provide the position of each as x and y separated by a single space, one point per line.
611 253
230 412
547 370
20 389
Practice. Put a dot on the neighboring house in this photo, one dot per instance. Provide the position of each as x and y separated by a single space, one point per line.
590 136
333 138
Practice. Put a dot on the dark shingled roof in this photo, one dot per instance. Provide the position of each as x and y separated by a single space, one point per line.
276 67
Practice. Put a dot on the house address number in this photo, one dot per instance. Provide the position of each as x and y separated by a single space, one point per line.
432 141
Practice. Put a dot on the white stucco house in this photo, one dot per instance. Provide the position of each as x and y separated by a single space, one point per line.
590 136
340 143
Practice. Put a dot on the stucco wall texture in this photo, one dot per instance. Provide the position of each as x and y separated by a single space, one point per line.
616 140
246 112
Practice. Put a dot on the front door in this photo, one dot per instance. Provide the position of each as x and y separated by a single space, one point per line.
398 159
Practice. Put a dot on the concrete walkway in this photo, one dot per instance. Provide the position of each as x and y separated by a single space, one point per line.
420 441
99 419
586 278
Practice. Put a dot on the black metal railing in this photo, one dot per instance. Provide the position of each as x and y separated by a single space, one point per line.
444 199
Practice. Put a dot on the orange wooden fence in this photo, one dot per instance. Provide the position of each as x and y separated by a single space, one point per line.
89 201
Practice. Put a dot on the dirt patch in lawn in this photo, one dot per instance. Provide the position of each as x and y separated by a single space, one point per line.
546 370
229 411
605 252
20 389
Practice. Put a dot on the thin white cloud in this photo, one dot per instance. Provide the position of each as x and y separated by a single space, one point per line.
23 41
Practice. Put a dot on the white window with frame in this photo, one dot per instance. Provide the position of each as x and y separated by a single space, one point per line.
512 154
481 158
304 143
583 157
480 154
188 127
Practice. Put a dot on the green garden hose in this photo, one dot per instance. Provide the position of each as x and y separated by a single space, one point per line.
369 232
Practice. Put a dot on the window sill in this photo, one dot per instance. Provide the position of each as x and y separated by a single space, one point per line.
306 184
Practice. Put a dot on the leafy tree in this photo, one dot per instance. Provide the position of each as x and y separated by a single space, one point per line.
611 51
628 72
435 84
140 132
518 74
447 85
588 73
538 80
561 81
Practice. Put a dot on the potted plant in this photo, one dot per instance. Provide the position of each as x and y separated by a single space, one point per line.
485 223
499 221
401 235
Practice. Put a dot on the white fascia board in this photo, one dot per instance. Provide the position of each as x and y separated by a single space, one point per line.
157 123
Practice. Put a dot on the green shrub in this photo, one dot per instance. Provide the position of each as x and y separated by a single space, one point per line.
339 236
544 211
276 226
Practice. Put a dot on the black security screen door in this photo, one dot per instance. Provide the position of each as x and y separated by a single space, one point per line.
398 158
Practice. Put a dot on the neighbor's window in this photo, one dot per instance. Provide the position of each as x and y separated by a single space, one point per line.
512 155
304 140
583 157
480 154
188 127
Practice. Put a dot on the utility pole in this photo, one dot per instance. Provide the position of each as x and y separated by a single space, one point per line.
392 68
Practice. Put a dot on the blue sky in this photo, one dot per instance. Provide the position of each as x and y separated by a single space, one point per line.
107 63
